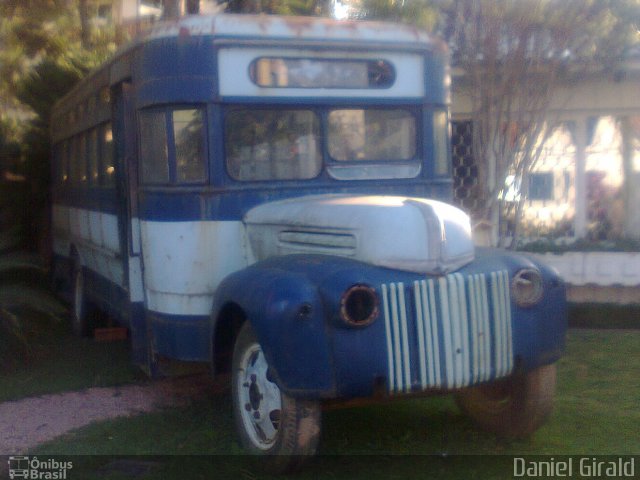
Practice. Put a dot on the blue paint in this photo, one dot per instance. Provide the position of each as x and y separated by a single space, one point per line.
181 204
321 356
181 337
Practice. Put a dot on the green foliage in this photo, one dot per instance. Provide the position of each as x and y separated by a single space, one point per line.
45 51
23 310
545 245
286 7
39 89
23 302
421 13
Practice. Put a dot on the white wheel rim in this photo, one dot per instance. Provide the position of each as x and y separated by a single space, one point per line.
259 399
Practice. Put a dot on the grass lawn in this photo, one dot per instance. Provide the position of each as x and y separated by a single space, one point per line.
59 362
596 414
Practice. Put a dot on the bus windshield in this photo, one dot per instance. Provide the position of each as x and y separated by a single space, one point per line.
371 135
285 144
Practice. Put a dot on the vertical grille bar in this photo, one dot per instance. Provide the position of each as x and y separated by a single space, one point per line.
387 331
424 340
474 315
484 301
396 336
446 329
435 334
405 338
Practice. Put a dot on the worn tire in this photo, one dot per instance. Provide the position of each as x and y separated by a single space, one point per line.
514 407
81 308
290 436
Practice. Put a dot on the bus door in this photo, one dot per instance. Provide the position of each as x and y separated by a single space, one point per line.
126 148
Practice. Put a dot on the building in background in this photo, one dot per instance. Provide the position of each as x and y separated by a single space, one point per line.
586 181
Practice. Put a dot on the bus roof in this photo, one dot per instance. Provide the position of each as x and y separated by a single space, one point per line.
303 28
258 28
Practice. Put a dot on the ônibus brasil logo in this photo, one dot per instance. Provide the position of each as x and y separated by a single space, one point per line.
33 468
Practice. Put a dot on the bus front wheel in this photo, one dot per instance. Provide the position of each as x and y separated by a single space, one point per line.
513 407
282 430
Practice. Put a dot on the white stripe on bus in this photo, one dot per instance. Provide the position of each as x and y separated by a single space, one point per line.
396 336
405 338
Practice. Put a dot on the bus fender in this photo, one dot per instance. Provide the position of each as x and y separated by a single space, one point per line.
287 315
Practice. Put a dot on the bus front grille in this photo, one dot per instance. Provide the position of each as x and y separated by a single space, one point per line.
447 332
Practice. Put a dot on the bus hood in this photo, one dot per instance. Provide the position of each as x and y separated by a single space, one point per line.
409 234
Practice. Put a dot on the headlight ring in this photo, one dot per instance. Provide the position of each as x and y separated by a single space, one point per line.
527 287
359 305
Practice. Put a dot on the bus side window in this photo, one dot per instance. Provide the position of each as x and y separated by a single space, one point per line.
92 156
106 156
172 146
81 158
189 141
154 155
61 163
76 162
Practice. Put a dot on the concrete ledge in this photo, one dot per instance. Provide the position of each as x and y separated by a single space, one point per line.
606 295
603 269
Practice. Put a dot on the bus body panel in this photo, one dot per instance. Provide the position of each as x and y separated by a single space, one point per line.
428 335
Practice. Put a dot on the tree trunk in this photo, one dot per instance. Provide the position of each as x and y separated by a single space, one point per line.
171 10
193 7
85 26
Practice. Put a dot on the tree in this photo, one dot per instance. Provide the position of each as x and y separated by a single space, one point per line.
171 9
422 13
43 56
85 24
513 54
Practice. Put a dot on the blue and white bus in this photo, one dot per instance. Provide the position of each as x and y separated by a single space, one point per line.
268 195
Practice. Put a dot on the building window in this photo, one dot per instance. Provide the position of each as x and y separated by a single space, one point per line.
541 186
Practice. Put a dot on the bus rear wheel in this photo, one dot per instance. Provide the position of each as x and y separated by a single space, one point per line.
283 431
81 309
514 407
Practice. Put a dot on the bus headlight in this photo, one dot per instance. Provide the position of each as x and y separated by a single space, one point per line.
359 305
527 287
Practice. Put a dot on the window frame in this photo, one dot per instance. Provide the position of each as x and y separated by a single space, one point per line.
544 190
344 171
172 179
102 148
382 169
253 75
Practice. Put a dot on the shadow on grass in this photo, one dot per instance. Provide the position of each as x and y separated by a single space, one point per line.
59 362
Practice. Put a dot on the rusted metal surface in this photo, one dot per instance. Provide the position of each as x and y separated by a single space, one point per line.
292 27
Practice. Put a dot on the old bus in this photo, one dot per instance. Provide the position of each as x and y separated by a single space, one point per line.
267 195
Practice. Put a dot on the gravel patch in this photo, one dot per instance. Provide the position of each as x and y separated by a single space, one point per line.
29 422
